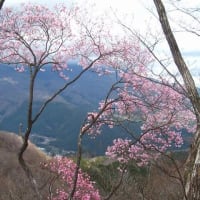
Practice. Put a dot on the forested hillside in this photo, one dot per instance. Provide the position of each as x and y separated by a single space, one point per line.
58 127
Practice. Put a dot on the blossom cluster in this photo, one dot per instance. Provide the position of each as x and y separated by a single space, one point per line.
65 168
124 150
162 111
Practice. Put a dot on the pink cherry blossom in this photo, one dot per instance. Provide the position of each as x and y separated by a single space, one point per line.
162 110
65 168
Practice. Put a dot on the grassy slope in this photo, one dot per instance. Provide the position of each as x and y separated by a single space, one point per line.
13 182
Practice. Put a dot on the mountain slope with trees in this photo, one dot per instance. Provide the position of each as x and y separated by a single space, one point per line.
71 108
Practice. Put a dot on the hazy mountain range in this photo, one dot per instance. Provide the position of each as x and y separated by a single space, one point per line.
59 125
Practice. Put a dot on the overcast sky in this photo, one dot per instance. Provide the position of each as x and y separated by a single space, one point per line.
139 17
137 9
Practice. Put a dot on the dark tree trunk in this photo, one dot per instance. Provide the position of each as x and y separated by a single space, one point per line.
1 3
192 169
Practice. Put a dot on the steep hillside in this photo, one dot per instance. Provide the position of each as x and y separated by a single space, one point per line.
13 182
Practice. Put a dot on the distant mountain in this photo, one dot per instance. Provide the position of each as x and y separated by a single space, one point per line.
58 127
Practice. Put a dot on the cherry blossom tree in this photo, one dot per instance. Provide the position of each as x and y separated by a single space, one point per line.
65 169
157 105
34 37
31 38
182 77
162 111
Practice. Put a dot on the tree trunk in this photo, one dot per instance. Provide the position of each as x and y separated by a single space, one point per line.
192 169
1 3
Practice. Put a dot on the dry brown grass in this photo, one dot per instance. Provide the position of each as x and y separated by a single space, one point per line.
14 185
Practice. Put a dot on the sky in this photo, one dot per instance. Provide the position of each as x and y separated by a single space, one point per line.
140 14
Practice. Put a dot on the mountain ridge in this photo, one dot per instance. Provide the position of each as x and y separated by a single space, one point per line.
63 117
57 129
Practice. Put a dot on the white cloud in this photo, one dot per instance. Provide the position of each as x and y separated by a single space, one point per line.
9 80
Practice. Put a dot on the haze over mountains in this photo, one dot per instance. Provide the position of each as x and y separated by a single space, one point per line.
59 125
57 128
